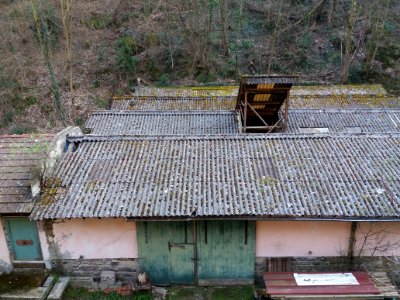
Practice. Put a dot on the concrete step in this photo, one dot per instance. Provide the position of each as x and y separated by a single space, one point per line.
59 288
39 293
29 265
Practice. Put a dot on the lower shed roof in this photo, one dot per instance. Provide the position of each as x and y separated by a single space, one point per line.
20 159
345 120
265 176
162 122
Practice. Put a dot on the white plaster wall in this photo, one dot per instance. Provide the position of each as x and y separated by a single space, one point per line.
43 244
383 239
301 238
94 238
4 252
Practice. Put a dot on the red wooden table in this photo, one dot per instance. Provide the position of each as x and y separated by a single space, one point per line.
284 283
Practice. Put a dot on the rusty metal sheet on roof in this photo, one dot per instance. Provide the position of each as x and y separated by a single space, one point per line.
268 79
346 121
162 122
176 103
321 176
19 156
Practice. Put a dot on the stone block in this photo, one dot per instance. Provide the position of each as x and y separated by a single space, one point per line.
84 282
59 288
107 277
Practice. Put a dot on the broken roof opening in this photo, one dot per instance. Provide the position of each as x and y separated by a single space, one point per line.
260 99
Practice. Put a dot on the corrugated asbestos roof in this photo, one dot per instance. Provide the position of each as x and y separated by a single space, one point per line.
351 120
176 103
20 155
321 176
333 101
162 122
298 100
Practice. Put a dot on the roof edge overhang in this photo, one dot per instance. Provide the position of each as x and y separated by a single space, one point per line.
276 136
239 218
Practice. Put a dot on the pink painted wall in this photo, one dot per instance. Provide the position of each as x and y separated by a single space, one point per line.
301 238
4 252
93 238
319 238
383 239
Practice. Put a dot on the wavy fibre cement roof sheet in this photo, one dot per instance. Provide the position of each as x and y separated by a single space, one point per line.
342 177
184 103
356 120
162 122
340 101
20 155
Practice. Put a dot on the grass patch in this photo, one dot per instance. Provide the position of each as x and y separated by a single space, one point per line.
101 102
84 294
233 293
99 21
210 293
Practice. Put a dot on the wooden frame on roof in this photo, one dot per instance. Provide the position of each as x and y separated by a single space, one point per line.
259 100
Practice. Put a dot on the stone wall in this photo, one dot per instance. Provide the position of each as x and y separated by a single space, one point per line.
326 264
125 269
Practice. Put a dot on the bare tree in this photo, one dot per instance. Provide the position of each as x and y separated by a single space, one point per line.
331 10
274 38
377 16
66 16
45 36
193 22
348 41
224 24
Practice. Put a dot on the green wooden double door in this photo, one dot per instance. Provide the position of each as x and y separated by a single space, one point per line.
203 252
23 238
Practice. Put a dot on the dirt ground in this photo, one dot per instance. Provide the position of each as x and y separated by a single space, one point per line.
21 280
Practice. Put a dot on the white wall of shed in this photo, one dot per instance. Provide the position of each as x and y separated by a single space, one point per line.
383 239
325 238
301 238
5 261
91 239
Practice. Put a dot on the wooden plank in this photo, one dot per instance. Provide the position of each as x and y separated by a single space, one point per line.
27 163
18 183
15 175
225 282
22 190
227 252
154 239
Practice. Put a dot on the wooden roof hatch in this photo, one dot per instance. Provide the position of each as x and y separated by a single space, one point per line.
260 99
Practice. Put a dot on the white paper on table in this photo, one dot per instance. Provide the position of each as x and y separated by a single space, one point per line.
326 279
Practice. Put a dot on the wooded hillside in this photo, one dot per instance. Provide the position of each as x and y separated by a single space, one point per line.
61 59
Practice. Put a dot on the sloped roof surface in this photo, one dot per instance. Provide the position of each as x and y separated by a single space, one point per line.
344 101
162 122
20 156
321 176
346 120
184 103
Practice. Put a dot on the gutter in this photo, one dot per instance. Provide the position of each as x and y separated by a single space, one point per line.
394 219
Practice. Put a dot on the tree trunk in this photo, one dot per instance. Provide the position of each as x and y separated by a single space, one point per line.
66 11
347 42
330 12
273 39
377 25
224 24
